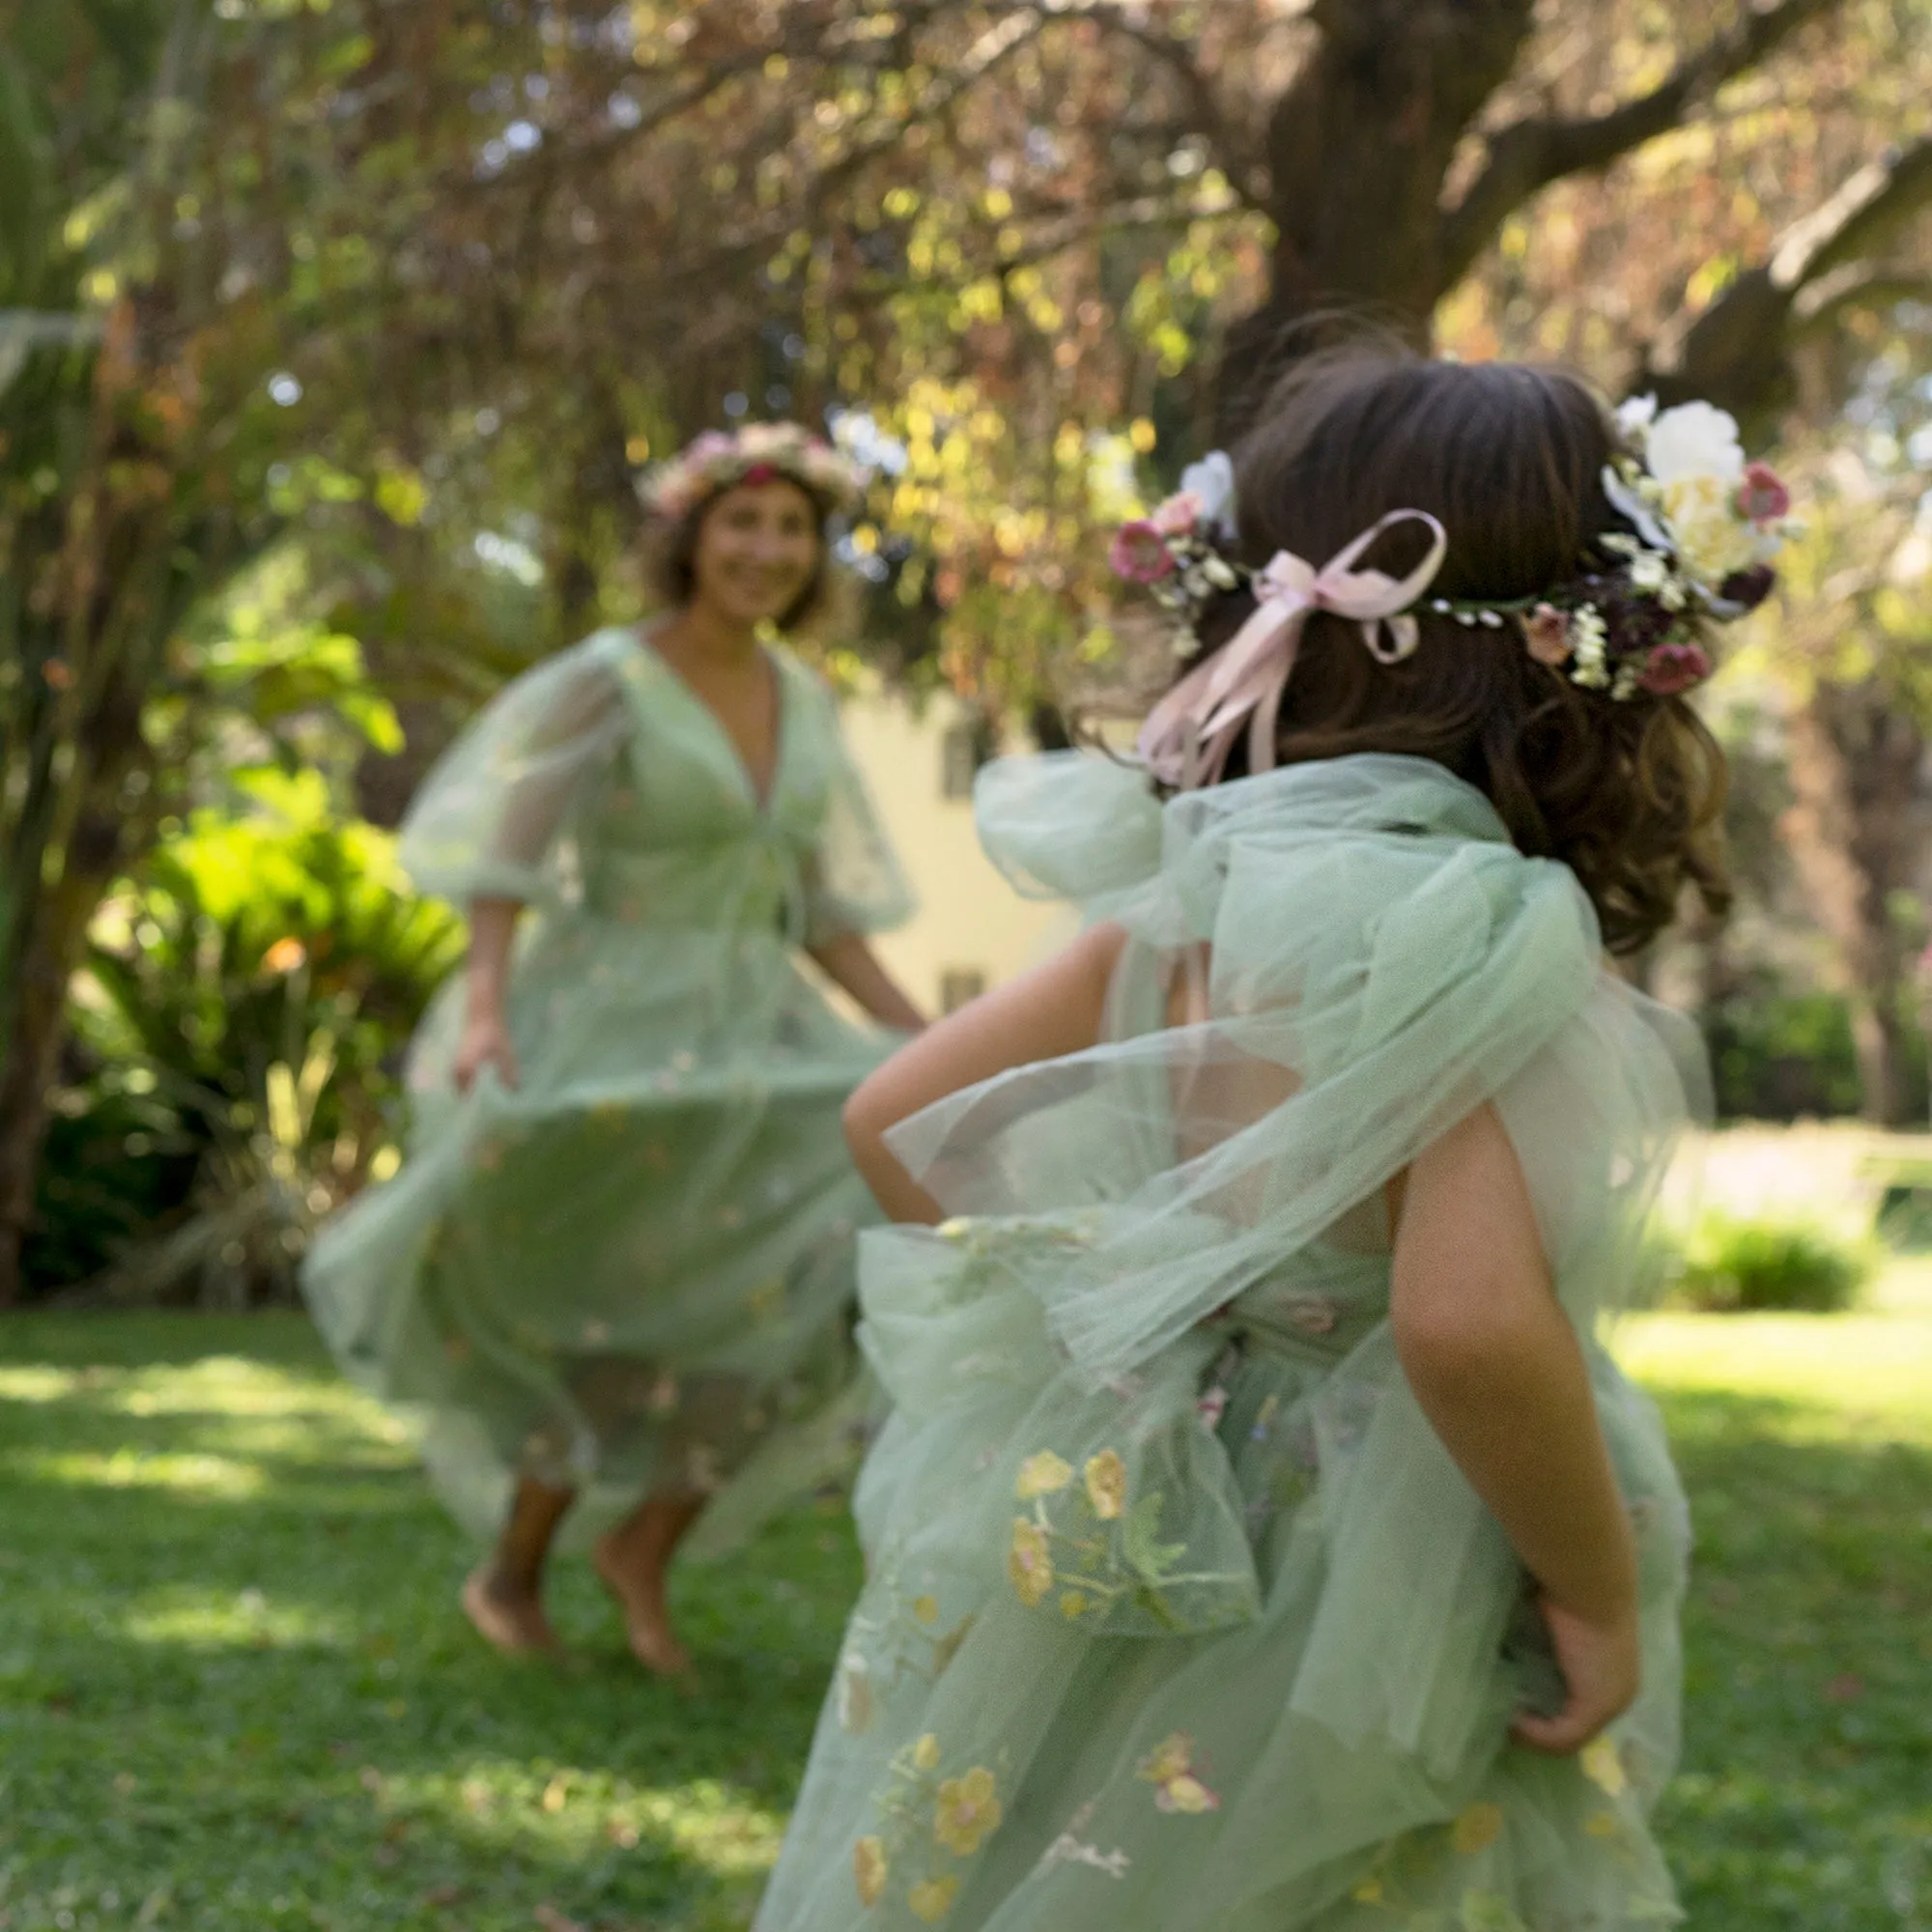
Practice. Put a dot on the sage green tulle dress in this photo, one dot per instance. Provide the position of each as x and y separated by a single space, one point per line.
637 1267
1179 1617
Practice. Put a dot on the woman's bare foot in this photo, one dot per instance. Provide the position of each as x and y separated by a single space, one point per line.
507 1615
636 1578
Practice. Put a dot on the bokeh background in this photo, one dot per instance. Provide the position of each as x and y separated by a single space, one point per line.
333 334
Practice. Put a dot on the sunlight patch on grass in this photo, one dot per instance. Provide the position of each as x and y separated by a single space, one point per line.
38 1384
241 1389
226 1384
1857 1377
232 1716
710 1825
219 1477
246 1619
570 1814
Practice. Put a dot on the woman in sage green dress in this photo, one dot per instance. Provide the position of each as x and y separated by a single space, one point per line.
1262 1540
617 1261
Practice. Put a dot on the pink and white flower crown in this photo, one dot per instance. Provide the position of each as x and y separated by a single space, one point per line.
719 460
1706 525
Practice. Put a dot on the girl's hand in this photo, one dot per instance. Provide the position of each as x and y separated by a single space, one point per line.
485 1043
1600 1666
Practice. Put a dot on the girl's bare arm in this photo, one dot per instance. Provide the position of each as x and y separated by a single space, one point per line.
1497 1369
1052 1010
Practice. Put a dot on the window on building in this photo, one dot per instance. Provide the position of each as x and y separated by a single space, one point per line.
958 761
965 748
958 984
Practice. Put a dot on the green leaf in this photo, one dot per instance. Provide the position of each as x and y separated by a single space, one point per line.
1138 1529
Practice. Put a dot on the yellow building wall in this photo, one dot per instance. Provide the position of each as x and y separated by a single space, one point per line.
970 922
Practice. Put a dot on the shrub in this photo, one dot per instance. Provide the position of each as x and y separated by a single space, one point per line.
238 1037
1779 1055
1730 1264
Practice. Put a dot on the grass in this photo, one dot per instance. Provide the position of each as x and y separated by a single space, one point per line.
1805 1797
232 1692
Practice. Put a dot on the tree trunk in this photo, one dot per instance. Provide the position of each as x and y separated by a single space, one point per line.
38 1027
1357 151
1857 831
107 585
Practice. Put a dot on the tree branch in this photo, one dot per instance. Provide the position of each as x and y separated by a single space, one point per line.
1822 304
1737 353
1532 153
1181 57
1860 217
995 46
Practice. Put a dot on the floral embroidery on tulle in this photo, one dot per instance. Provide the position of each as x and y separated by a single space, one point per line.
1042 1475
967 1812
895 1636
1599 1762
926 1819
931 1899
1029 1563
1106 1479
1311 1314
1170 1767
1477 1828
869 1869
1100 1545
852 1695
1067 1850
1071 1848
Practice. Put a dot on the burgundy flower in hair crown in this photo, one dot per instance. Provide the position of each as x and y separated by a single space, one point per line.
1706 525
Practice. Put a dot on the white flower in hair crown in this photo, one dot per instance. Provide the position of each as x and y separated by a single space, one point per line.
719 460
1705 527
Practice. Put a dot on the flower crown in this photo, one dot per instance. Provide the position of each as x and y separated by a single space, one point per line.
719 460
1706 527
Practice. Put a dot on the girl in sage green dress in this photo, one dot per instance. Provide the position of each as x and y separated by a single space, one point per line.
1261 1541
617 1261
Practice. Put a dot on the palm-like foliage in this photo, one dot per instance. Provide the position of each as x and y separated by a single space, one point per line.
253 993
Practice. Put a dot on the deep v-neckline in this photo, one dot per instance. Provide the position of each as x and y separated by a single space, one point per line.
759 796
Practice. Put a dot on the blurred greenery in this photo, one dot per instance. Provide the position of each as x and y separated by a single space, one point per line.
240 1018
1805 1796
285 291
1729 1263
1777 1056
235 1691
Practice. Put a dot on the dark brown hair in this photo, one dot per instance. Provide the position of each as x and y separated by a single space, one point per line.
1629 795
672 557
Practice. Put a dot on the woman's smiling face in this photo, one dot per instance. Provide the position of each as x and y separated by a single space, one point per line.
757 551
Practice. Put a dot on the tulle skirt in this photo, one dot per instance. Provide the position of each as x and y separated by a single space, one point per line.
636 1269
1228 1644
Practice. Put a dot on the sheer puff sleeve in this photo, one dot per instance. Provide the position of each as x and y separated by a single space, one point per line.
853 879
487 821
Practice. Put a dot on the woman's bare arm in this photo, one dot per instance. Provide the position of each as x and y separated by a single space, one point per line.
1497 1369
486 1028
848 961
1052 1010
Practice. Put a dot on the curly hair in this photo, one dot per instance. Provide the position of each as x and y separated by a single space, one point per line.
1629 795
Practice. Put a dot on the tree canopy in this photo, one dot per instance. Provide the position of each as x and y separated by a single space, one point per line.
391 300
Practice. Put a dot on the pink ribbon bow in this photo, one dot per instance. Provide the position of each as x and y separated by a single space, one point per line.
1189 733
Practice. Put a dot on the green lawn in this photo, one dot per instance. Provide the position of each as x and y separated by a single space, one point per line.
234 1693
